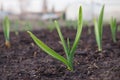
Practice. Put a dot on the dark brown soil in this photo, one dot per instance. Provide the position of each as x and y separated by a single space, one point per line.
25 61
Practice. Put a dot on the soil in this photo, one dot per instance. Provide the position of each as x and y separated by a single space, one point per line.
25 61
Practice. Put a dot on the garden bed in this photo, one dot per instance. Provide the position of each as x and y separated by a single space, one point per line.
25 61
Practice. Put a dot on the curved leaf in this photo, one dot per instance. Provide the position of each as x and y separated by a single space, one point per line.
62 39
48 50
79 30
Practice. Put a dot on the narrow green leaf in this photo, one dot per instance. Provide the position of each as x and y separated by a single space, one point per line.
99 29
79 30
97 35
113 27
100 22
48 50
6 28
68 45
61 38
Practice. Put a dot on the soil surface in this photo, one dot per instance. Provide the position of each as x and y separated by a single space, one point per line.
25 61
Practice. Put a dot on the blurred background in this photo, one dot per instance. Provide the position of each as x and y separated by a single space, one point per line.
42 13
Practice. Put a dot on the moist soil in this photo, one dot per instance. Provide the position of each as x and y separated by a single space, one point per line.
25 61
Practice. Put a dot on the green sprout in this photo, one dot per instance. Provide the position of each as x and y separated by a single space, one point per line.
99 29
6 30
113 27
69 51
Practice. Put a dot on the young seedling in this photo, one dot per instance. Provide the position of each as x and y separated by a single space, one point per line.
69 51
6 30
99 29
113 27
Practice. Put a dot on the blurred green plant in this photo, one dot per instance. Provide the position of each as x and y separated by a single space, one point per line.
6 30
99 29
51 26
16 27
69 51
113 27
71 24
28 26
41 23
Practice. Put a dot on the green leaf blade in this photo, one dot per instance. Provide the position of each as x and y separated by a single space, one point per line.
99 29
113 27
100 21
48 50
79 30
97 35
68 44
6 28
62 38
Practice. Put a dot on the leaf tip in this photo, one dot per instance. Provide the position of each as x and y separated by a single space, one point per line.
28 32
55 21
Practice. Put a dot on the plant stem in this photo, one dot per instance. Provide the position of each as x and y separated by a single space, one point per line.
70 61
